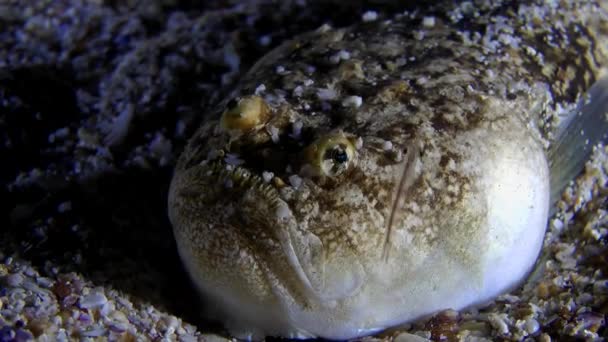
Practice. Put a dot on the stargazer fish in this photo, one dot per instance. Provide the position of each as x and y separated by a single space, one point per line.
363 177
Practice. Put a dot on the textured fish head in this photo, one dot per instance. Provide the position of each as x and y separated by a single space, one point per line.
307 198
343 201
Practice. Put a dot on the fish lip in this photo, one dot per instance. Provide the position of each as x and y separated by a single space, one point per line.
240 177
244 179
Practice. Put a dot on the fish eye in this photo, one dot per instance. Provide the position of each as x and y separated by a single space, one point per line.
245 114
337 154
331 155
335 160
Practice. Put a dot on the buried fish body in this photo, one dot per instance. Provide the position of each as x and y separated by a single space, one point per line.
363 177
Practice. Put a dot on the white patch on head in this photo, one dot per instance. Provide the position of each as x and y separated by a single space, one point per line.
267 176
352 101
387 145
359 143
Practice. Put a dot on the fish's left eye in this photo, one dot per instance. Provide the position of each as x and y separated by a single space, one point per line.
331 155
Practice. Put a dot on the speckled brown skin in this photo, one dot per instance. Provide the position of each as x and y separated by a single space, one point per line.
445 201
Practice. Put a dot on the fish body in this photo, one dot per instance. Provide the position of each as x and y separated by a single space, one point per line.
363 177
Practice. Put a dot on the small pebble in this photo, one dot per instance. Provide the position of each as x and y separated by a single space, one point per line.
92 301
171 323
7 334
295 181
95 332
274 134
407 337
428 22
359 143
233 159
600 286
498 322
214 338
532 326
44 282
352 102
298 91
326 94
267 176
283 212
13 280
370 16
260 89
344 55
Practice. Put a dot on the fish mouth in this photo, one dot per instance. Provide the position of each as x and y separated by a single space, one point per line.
259 209
237 179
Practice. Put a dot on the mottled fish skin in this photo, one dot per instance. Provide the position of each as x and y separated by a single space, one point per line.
443 201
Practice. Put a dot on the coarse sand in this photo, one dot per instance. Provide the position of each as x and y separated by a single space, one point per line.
97 99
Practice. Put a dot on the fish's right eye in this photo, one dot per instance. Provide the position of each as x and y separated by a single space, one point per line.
331 155
245 114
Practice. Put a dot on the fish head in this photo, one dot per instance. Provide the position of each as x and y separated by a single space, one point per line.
355 219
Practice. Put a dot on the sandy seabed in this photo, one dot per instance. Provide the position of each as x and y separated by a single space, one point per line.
97 99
